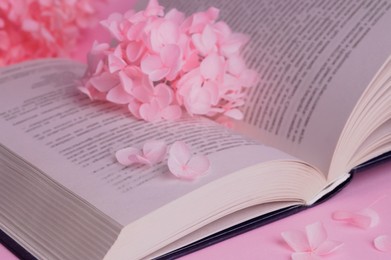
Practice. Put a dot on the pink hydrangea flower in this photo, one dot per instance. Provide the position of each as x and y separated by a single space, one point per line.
163 63
32 29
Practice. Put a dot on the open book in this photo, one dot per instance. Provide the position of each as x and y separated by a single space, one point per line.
322 108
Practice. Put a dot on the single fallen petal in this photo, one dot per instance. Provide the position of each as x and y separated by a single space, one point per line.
328 247
364 219
296 240
198 166
383 243
154 151
304 256
316 234
185 166
127 156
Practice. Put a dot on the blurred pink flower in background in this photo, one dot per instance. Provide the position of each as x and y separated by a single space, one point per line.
31 29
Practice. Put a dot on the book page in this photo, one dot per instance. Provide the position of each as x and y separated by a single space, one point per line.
46 121
314 58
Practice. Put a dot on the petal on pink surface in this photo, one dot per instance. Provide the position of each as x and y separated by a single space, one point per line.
316 234
364 219
304 256
296 240
383 243
328 247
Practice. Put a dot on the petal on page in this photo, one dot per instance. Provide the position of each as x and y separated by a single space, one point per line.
364 219
127 156
197 166
383 243
155 151
182 165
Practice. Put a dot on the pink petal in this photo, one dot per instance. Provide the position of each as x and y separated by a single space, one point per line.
153 8
134 51
150 111
104 82
233 44
304 256
179 153
373 215
191 62
173 113
234 113
316 234
115 63
127 156
198 101
163 95
170 55
328 247
182 165
118 95
134 107
363 219
153 67
296 240
211 66
209 38
150 63
155 151
142 94
197 166
236 65
383 243
126 81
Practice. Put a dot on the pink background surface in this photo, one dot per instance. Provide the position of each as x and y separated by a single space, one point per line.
368 187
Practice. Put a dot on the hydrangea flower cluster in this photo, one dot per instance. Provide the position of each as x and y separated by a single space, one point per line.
32 29
163 63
